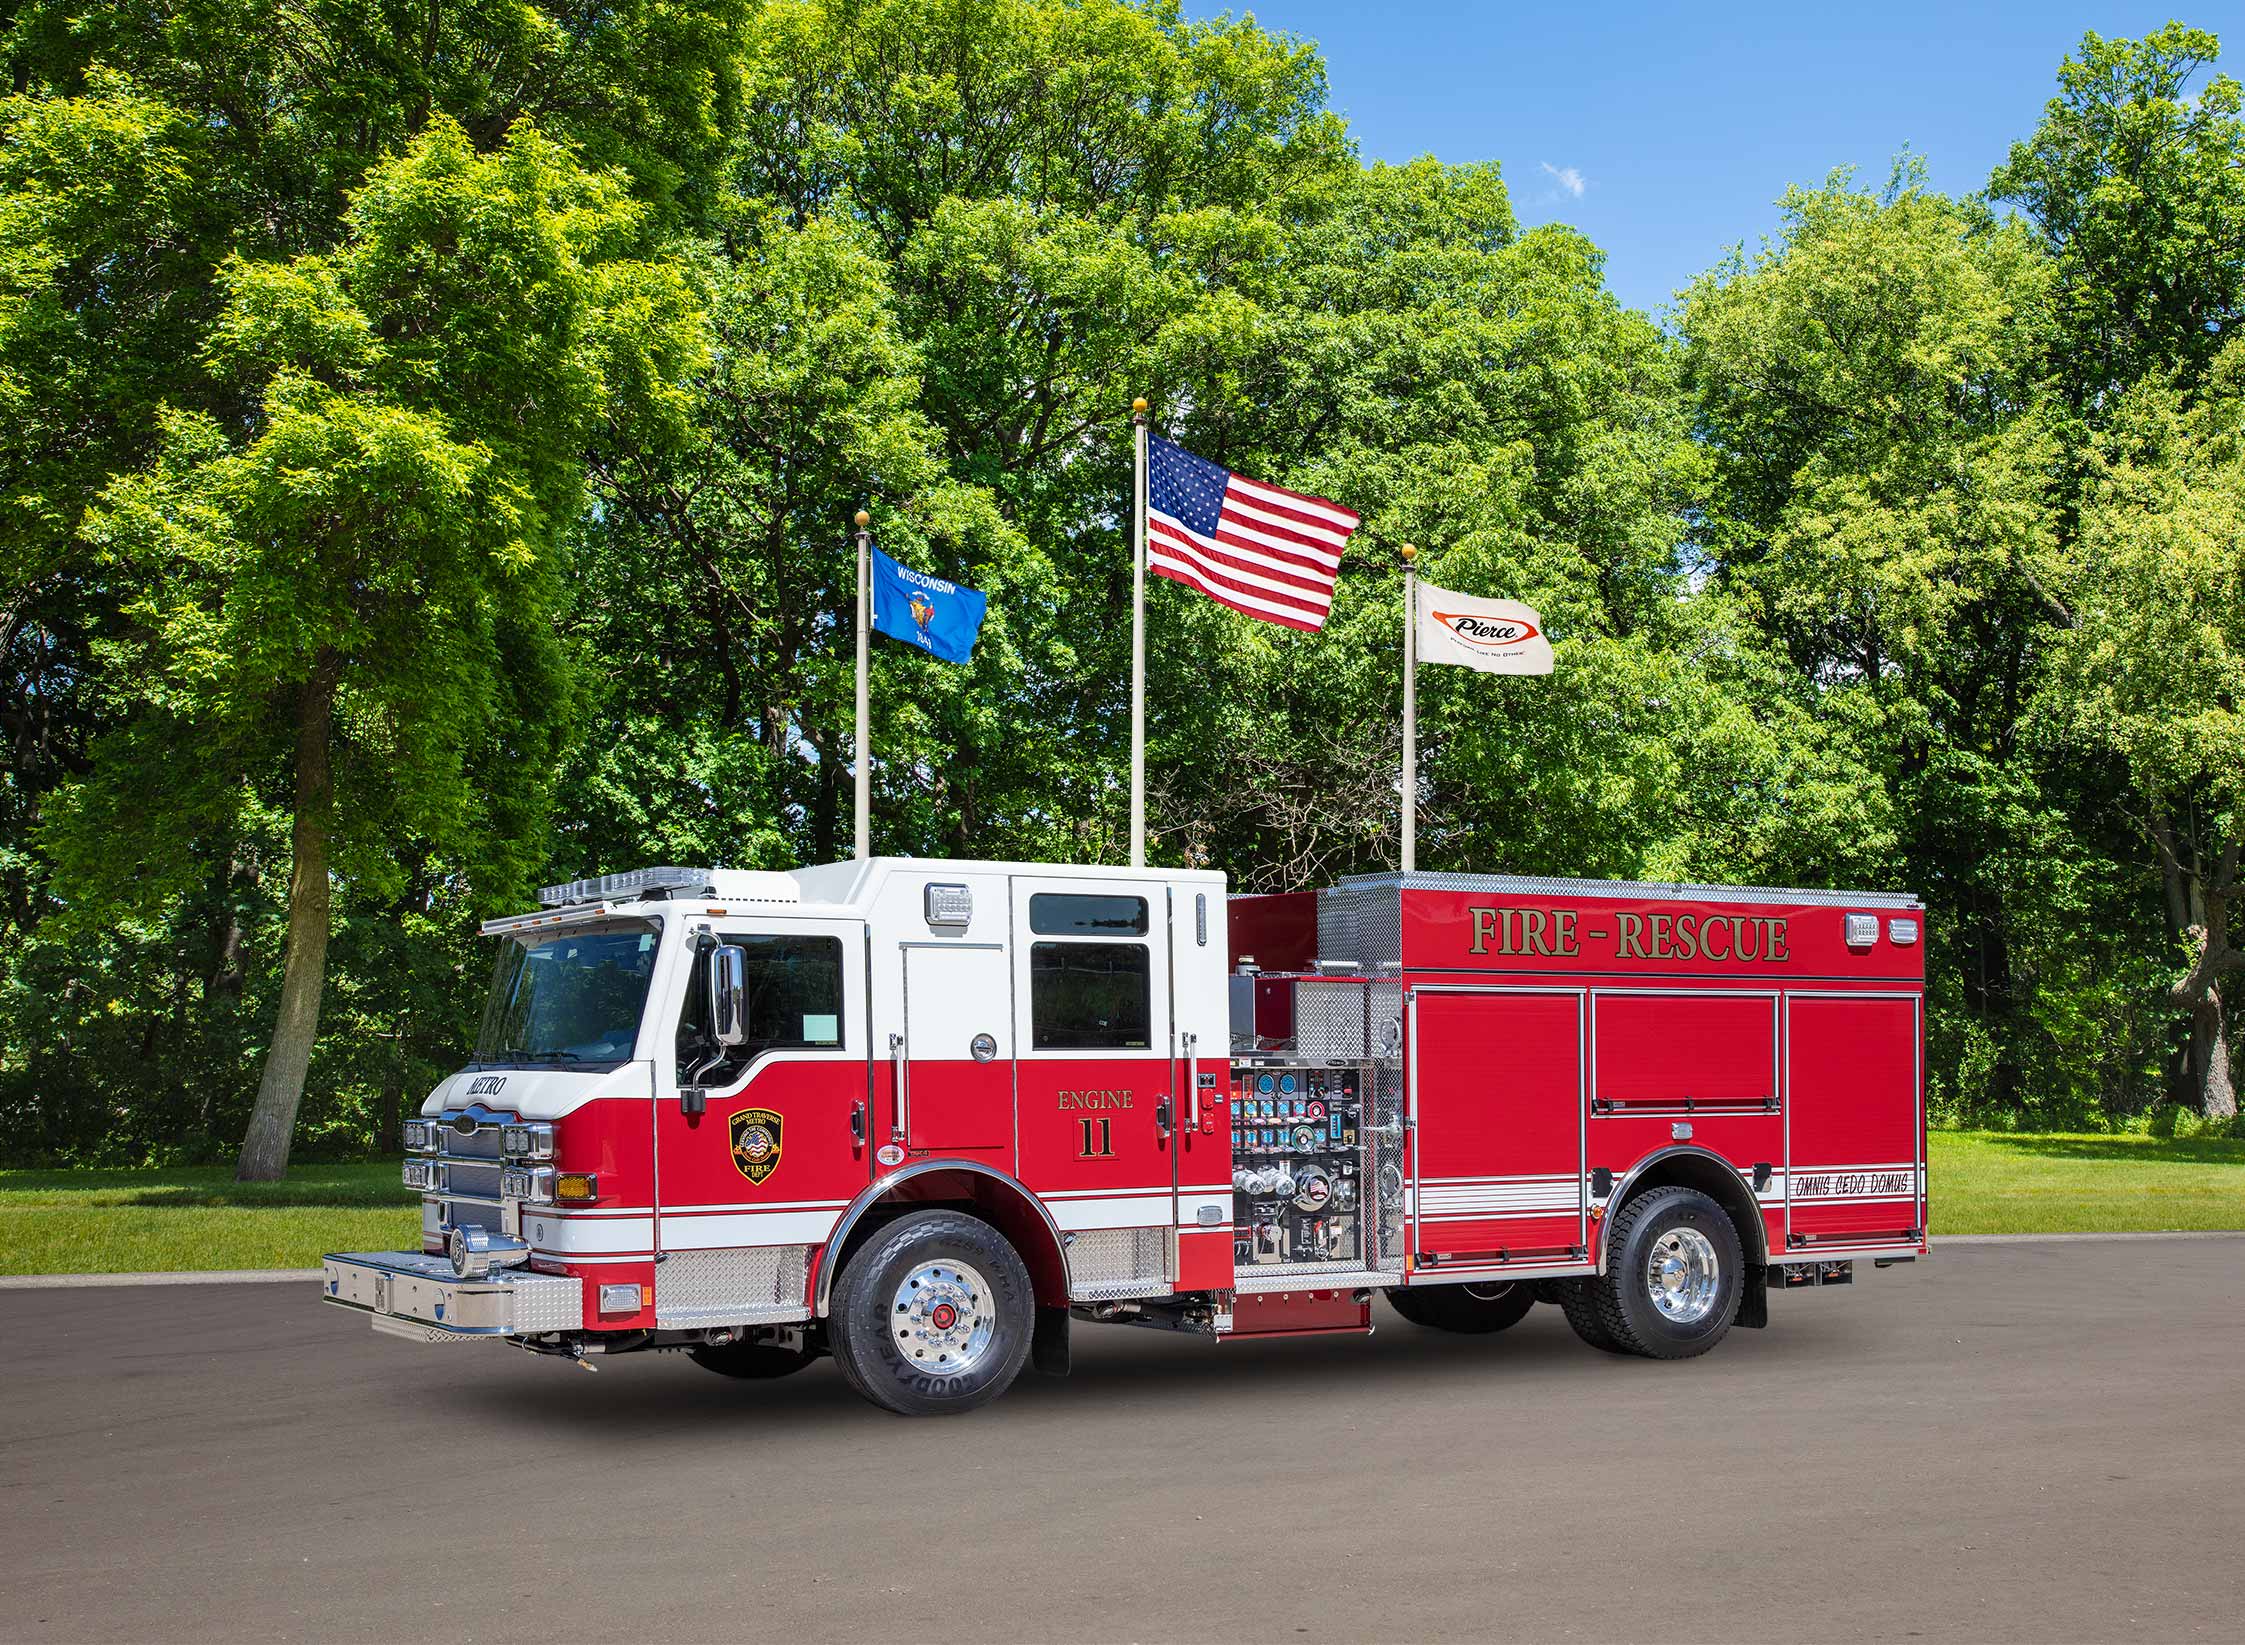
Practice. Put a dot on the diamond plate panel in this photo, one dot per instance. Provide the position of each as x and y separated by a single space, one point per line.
546 1302
1107 1263
1543 885
1330 1019
748 1285
1384 1165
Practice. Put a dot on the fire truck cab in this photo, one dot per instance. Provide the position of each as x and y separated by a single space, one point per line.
924 1115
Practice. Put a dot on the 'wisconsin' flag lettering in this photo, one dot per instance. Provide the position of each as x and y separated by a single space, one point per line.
942 619
1257 548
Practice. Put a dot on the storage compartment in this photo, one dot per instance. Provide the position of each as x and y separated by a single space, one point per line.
1854 1168
1498 1082
1690 1050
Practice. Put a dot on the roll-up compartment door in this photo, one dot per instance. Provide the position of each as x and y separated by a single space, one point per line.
1853 1167
1497 1094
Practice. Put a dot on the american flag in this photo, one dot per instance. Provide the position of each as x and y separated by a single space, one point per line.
1257 548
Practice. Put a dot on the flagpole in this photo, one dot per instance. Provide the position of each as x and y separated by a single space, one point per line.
863 747
1138 640
1410 708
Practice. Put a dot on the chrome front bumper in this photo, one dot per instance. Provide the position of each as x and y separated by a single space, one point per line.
410 1294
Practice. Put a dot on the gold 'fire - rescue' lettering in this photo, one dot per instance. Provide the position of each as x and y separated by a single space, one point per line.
1555 934
1549 932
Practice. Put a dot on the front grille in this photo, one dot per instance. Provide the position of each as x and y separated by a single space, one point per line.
463 1178
471 1165
484 1142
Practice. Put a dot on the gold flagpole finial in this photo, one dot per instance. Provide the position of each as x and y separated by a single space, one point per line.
1138 407
1408 552
863 519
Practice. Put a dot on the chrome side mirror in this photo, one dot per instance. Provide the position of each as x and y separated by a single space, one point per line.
728 994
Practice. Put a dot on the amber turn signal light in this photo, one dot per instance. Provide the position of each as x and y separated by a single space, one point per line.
576 1187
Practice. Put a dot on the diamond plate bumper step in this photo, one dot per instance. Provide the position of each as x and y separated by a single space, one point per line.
412 1294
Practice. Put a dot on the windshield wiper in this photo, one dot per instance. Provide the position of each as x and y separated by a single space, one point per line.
517 1053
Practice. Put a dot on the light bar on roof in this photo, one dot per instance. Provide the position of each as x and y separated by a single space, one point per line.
623 887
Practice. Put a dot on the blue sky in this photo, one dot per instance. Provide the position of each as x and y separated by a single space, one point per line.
1665 132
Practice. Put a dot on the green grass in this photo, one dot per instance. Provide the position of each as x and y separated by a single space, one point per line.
1994 1182
116 1222
111 1222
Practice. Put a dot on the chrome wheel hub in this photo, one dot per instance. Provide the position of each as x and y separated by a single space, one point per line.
943 1317
1682 1275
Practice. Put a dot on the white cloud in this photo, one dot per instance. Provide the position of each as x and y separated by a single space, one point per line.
1569 178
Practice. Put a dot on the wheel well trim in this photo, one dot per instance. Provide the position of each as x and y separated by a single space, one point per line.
1755 1238
878 1191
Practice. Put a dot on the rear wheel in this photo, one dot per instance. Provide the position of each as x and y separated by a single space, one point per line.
1579 1302
1674 1274
933 1315
1475 1310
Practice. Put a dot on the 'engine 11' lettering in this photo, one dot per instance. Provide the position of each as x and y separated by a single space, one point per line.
1557 933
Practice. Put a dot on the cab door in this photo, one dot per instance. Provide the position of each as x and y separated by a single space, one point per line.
780 1143
1095 1071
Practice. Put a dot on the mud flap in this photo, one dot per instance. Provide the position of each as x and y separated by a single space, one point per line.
1048 1343
1753 1299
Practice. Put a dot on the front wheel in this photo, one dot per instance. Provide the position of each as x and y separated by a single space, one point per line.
1674 1274
1475 1310
933 1315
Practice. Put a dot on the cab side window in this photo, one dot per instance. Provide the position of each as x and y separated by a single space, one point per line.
794 1003
1091 993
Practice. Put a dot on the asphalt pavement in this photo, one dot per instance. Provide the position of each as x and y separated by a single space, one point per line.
2030 1442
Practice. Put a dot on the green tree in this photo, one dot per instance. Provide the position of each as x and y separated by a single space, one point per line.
352 598
2151 669
1889 493
2137 185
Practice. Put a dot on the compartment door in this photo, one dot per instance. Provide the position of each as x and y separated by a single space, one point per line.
1497 1147
958 1052
1854 1170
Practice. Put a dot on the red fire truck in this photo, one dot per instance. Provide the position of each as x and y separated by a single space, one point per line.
924 1116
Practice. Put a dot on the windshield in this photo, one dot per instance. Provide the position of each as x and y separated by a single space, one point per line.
569 997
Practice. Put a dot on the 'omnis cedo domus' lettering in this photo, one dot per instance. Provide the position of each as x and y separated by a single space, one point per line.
1559 933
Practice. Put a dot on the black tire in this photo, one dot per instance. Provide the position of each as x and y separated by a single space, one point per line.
753 1361
904 1360
1474 1310
1578 1301
1622 1301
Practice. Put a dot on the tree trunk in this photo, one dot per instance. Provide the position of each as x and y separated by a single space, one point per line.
2205 896
272 1123
2217 1097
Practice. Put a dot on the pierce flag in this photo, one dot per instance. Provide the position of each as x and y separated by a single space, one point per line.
1494 636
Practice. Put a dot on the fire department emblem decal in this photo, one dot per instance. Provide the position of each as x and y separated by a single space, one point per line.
756 1143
